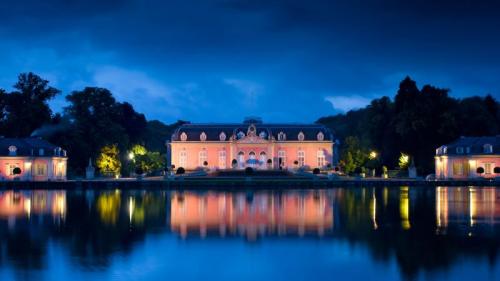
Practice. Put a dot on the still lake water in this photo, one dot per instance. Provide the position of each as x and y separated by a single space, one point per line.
396 233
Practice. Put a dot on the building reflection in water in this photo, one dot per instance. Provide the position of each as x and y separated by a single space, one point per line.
470 207
251 215
24 204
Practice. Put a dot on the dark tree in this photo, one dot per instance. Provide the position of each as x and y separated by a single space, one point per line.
180 171
16 171
26 108
248 170
480 170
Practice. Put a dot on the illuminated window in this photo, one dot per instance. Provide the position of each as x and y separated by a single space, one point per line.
183 158
184 136
263 158
202 157
10 169
241 159
458 169
203 136
301 158
222 136
300 137
321 158
488 148
320 136
487 168
282 158
222 159
40 169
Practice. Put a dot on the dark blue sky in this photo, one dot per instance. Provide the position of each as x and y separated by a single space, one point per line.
221 60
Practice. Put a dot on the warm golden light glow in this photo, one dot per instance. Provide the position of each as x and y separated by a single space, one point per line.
108 206
373 206
373 155
404 207
472 205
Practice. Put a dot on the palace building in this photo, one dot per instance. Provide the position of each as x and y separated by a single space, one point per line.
31 159
251 144
468 157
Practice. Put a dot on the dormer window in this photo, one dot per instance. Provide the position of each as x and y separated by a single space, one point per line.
488 148
262 135
300 137
12 150
445 149
240 135
467 149
460 150
281 136
184 136
203 136
41 152
222 136
320 136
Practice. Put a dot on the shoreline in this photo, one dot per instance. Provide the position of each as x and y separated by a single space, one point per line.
236 183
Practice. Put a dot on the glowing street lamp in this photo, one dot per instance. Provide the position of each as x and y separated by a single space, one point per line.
131 156
373 155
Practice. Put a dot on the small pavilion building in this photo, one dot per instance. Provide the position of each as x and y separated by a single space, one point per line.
464 157
31 159
251 144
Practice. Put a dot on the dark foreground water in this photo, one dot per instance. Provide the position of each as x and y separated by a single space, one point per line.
406 233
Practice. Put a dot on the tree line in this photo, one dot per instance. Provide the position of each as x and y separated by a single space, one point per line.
414 123
93 125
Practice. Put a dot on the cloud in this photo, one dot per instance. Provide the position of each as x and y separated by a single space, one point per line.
249 89
346 103
147 94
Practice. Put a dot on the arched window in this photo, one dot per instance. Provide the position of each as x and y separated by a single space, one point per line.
281 136
263 135
202 157
320 136
240 135
203 136
488 148
222 136
263 158
222 159
321 158
184 137
301 157
300 137
241 159
282 158
41 152
183 158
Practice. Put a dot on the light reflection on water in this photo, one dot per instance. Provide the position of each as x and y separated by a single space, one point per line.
50 235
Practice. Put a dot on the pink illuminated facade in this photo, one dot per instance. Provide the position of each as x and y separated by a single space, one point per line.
251 144
37 160
462 158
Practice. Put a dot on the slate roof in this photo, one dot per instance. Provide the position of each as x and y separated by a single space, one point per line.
475 144
29 147
213 130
